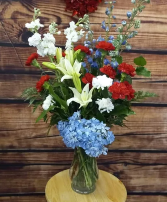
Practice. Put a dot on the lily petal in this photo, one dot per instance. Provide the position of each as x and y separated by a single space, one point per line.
77 67
69 67
73 99
76 93
85 93
66 77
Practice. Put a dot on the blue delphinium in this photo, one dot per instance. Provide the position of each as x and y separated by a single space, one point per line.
91 135
114 64
100 39
97 54
103 25
94 65
106 61
129 14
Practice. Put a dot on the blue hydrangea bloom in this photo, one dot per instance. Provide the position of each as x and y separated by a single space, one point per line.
94 65
129 14
92 135
106 61
100 39
97 54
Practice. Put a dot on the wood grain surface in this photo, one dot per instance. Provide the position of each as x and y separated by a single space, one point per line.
137 157
108 189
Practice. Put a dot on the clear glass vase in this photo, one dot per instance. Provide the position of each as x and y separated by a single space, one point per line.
83 172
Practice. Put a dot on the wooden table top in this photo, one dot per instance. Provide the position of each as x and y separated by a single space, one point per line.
108 189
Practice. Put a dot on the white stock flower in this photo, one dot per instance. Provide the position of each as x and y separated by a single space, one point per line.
68 70
47 45
72 35
34 24
102 82
35 40
81 98
105 104
48 102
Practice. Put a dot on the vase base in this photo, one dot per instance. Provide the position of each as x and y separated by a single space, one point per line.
83 191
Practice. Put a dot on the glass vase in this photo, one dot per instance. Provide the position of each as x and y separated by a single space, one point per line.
83 172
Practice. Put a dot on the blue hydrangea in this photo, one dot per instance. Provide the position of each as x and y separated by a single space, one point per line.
92 135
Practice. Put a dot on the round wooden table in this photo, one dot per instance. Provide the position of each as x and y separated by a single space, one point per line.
108 189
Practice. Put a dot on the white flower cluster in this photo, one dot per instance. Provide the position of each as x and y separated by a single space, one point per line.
45 46
48 102
34 25
105 104
102 82
72 35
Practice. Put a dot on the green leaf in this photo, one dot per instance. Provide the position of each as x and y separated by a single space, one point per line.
128 78
140 61
43 114
143 71
120 109
105 93
100 117
49 65
57 98
119 59
139 95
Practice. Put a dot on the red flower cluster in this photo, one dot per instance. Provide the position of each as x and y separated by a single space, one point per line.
83 49
126 68
81 7
108 70
121 90
31 58
88 79
39 85
105 46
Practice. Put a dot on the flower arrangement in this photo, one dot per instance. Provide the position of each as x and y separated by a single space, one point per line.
88 88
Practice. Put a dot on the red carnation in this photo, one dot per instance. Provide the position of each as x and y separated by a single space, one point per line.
121 90
39 85
31 58
108 70
83 49
126 68
82 7
105 46
88 79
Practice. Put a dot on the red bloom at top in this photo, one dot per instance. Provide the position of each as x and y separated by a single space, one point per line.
83 49
82 7
105 46
88 79
108 70
39 85
126 68
121 90
63 54
31 58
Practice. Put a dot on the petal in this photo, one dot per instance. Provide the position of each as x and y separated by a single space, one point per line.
85 92
61 69
73 99
69 68
90 93
76 93
77 67
66 77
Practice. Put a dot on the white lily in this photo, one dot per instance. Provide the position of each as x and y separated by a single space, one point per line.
70 72
81 98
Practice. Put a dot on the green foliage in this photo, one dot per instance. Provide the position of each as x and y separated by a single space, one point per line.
30 94
139 95
140 61
43 114
119 59
143 71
